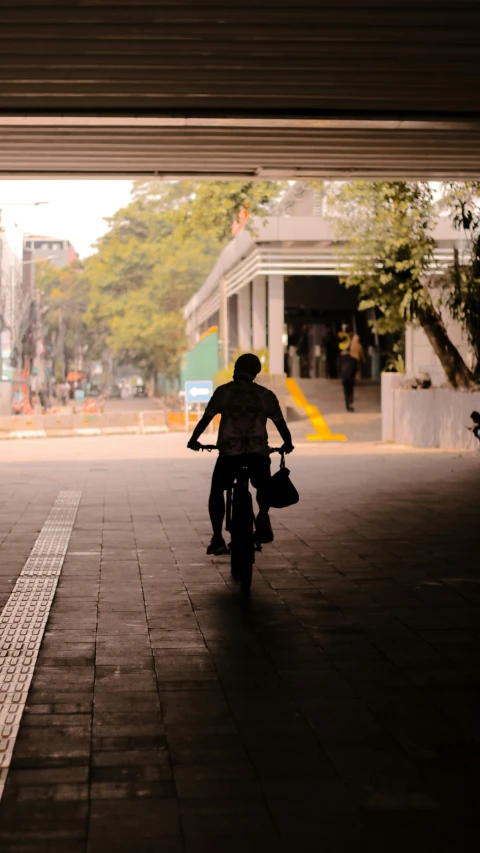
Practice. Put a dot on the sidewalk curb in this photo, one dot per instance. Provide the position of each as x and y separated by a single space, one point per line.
88 431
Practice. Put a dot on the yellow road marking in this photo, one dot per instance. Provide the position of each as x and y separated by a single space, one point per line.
322 431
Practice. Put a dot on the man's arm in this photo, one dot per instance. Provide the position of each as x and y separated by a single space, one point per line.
214 407
276 415
199 429
285 434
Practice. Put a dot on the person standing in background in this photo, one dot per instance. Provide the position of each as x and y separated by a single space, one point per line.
330 344
303 351
356 351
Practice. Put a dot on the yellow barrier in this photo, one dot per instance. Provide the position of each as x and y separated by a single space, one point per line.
322 431
176 421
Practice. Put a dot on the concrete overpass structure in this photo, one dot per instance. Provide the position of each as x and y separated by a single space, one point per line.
244 89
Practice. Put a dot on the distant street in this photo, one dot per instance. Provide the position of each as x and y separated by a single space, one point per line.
132 404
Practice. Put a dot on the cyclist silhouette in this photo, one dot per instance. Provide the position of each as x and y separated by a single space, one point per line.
242 439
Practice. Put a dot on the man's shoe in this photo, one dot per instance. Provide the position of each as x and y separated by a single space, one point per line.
217 547
264 528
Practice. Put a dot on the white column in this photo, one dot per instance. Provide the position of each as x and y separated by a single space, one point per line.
223 323
244 318
259 312
276 319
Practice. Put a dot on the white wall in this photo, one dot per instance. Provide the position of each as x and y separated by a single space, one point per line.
259 312
435 417
276 319
419 355
244 319
389 384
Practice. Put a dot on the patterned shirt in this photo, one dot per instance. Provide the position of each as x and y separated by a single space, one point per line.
244 407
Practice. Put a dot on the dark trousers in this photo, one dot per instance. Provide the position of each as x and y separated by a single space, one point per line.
348 386
224 473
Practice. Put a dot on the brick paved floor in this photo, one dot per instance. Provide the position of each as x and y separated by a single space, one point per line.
337 709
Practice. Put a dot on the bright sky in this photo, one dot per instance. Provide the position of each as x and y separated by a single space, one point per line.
76 209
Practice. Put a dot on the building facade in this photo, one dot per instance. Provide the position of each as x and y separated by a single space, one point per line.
10 283
275 289
58 251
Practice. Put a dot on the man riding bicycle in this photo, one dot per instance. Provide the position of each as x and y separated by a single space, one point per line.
245 407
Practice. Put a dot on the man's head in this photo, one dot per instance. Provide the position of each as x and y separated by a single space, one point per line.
475 416
247 366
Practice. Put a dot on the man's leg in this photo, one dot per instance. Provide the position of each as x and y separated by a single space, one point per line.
348 386
260 476
216 501
216 506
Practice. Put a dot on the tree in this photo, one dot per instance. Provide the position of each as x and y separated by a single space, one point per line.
143 274
157 253
387 253
462 282
218 205
63 300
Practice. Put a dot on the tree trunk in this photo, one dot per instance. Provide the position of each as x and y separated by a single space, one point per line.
456 371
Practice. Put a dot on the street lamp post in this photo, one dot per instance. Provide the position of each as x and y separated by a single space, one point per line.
22 204
33 299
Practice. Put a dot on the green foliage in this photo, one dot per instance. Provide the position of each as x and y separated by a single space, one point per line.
218 205
387 247
462 282
395 363
64 296
386 228
156 254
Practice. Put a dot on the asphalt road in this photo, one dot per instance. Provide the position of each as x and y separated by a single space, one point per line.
132 404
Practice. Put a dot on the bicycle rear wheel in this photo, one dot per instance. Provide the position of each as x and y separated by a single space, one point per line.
242 546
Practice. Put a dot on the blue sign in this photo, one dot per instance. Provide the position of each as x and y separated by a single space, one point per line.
198 391
79 395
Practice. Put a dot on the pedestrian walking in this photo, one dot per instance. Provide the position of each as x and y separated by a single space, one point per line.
44 398
347 368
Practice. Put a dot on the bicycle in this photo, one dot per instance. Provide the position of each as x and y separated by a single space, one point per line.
240 523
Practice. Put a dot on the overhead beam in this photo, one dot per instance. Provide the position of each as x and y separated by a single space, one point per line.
248 88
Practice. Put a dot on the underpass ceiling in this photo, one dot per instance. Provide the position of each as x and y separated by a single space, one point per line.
267 89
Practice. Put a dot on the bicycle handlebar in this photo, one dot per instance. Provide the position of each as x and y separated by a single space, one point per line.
211 447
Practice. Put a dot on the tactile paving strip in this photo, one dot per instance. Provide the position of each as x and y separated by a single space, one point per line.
24 617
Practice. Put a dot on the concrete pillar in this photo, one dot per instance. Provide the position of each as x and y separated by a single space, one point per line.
244 319
276 319
223 325
259 312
